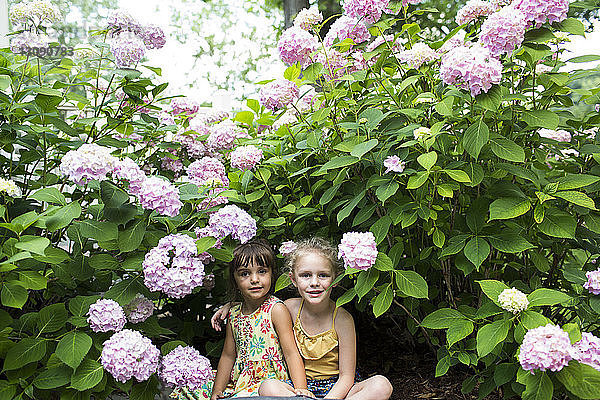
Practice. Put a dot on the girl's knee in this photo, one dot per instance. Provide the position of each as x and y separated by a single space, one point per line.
380 386
268 387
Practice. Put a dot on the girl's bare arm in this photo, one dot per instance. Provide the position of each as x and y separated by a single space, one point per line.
344 327
282 323
220 315
225 364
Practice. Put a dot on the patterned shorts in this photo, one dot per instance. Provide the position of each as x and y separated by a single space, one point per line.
320 387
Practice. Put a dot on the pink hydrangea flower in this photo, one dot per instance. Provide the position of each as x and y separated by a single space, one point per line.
278 94
246 157
121 20
172 163
285 119
173 266
370 10
128 49
165 118
287 248
418 55
587 350
208 171
89 162
128 170
22 42
405 3
159 195
472 68
358 250
307 18
393 163
191 143
153 37
206 257
213 199
503 31
128 354
473 10
346 27
545 348
539 11
214 116
106 315
222 135
296 45
559 135
184 367
593 282
232 220
335 63
306 101
139 309
187 107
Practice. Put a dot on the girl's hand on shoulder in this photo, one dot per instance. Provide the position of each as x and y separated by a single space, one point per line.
220 316
304 392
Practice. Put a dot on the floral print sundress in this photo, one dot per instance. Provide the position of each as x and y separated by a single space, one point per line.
258 354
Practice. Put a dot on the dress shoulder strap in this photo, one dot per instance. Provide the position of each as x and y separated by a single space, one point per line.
299 310
334 314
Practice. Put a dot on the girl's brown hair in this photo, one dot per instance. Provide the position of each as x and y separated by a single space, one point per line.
257 251
317 245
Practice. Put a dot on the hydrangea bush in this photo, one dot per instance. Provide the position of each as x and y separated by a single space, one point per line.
455 174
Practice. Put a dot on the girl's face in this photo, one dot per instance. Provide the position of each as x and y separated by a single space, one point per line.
253 281
313 276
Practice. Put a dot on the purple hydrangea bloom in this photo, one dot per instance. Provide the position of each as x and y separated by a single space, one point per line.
208 171
346 27
287 247
153 37
184 106
307 18
213 199
539 11
245 157
88 162
278 94
358 250
393 163
473 10
296 45
593 282
472 68
159 195
232 220
173 266
128 170
120 21
335 63
139 309
128 354
185 367
587 350
222 136
214 116
418 55
559 135
370 10
503 31
128 49
545 347
106 315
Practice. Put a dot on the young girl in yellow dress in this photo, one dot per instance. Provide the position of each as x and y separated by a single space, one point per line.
259 341
324 333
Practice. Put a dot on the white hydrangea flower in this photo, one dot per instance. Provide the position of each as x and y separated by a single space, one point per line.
421 133
513 300
9 187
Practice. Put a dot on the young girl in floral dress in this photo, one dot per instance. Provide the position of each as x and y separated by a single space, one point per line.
259 341
324 333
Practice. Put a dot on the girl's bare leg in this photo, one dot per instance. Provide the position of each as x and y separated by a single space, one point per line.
273 387
377 387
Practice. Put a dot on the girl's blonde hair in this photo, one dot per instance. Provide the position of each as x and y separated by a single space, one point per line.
314 245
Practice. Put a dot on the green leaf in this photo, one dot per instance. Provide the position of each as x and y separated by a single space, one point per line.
387 190
52 318
504 373
477 250
381 228
492 289
559 224
508 207
572 25
338 162
444 107
111 195
124 291
63 216
576 181
130 239
365 281
346 297
28 350
443 365
443 318
33 244
383 301
282 282
490 335
33 280
541 119
5 82
428 160
170 346
50 195
99 230
579 198
80 305
532 319
347 210
73 347
490 100
507 150
145 390
205 243
412 284
271 222
538 387
458 332
87 375
584 59
417 180
458 175
547 297
383 262
510 243
475 137
53 378
580 379
363 148
574 332
374 116
455 244
13 295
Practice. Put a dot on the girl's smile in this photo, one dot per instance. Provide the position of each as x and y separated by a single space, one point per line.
313 276
253 281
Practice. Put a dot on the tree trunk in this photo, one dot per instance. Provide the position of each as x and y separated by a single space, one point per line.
291 8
